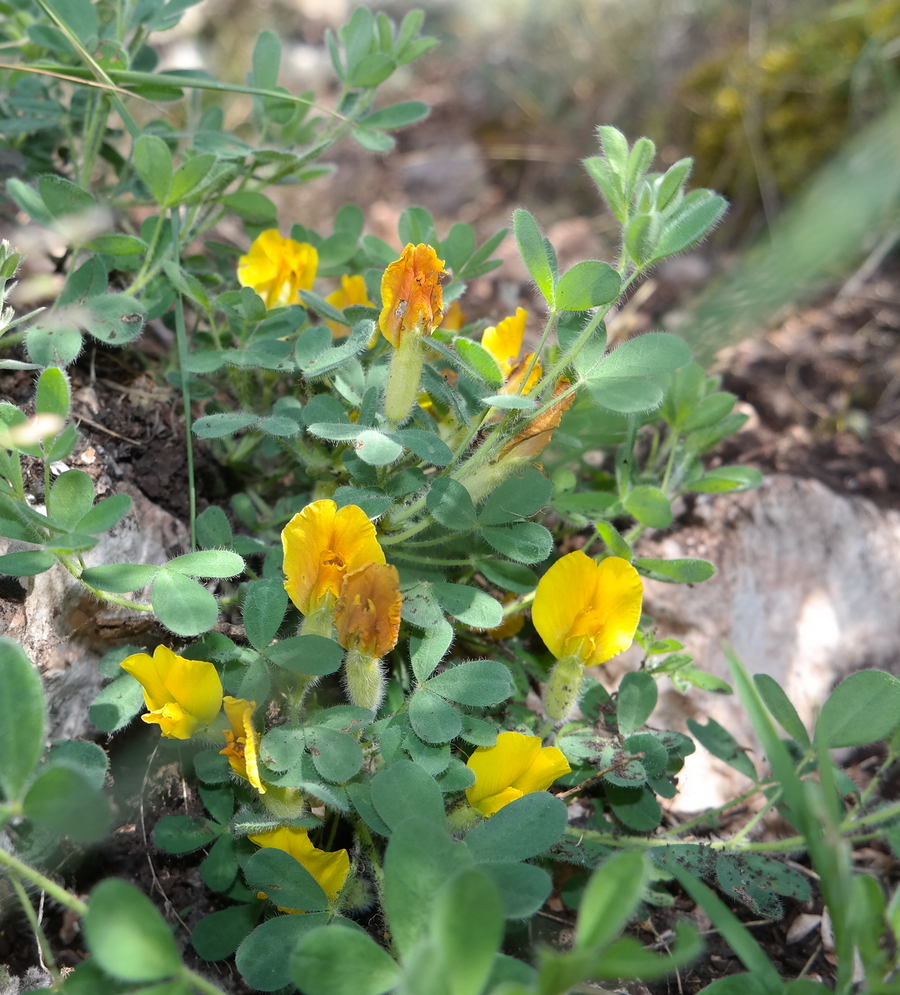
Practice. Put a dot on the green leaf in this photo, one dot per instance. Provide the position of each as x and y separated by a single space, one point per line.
120 578
587 285
476 682
509 576
646 355
636 700
63 197
265 603
530 244
468 604
723 745
519 496
117 245
83 757
52 394
65 801
29 200
261 956
523 888
336 960
127 936
252 207
614 541
22 719
371 140
681 571
863 708
610 899
266 60
451 505
115 319
117 704
524 542
336 755
427 650
425 445
181 604
312 655
153 162
104 514
637 808
219 934
219 425
694 218
520 830
782 710
649 506
726 478
479 359
207 563
70 543
214 529
403 790
758 880
53 345
420 859
286 882
397 115
467 927
182 833
71 497
432 718
27 563
376 448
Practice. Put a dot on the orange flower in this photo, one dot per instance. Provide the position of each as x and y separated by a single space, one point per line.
242 741
536 436
351 291
411 294
504 343
277 268
367 617
321 544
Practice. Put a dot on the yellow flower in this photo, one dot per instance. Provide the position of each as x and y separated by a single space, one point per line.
351 291
321 544
517 765
586 612
411 295
182 695
277 268
329 869
588 609
504 343
242 741
454 319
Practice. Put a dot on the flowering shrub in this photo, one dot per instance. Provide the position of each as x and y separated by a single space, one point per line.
364 741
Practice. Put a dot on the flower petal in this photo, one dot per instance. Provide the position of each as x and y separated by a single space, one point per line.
330 869
367 616
548 765
321 544
493 803
561 594
504 342
498 767
276 268
411 294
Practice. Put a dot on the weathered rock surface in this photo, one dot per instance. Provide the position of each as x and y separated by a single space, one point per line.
65 630
806 592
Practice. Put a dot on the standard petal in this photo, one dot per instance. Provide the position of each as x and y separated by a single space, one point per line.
548 765
142 667
499 766
367 616
504 342
194 684
304 539
619 595
566 589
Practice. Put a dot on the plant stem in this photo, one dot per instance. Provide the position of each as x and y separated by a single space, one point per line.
47 958
16 866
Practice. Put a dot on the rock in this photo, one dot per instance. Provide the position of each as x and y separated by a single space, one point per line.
65 630
805 591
